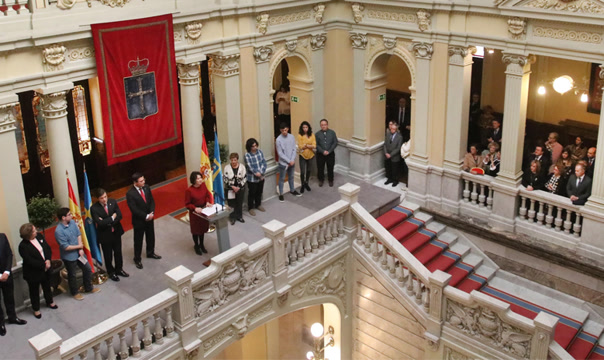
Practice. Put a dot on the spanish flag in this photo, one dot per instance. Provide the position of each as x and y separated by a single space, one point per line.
77 217
205 167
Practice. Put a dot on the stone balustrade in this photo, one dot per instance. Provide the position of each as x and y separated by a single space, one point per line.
15 7
477 190
549 211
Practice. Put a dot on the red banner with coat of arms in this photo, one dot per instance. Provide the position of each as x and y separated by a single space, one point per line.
138 85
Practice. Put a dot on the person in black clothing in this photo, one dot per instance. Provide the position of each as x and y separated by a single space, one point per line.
533 179
6 285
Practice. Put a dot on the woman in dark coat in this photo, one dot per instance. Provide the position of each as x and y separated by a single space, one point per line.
197 196
533 179
36 254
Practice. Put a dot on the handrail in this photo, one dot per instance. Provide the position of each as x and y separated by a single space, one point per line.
481 179
543 207
299 227
553 199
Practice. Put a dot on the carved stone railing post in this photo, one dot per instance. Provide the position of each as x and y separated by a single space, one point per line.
183 312
438 281
47 345
545 325
350 194
275 230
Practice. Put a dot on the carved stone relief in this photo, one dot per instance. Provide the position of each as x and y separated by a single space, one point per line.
236 278
578 6
188 74
193 31
357 12
451 354
389 43
225 65
7 117
54 105
79 54
53 57
178 33
516 28
358 40
114 3
260 311
318 41
290 45
319 10
241 325
66 4
390 15
423 20
262 23
329 281
485 325
570 35
288 18
423 50
263 54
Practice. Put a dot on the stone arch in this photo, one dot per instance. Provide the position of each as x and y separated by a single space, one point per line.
298 62
399 50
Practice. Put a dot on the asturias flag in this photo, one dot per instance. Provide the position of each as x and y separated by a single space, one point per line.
217 170
89 224
77 217
205 168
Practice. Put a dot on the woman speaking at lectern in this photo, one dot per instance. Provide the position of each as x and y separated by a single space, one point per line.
197 196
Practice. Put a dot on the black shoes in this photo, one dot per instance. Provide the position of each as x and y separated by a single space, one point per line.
306 186
198 250
122 273
321 183
295 193
17 321
394 183
281 198
53 306
153 256
114 277
388 182
39 316
233 221
2 329
138 264
241 220
203 249
302 189
330 183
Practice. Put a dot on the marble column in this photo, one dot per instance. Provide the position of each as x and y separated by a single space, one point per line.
192 130
225 69
54 108
593 222
458 110
505 185
13 208
262 55
317 44
359 43
420 102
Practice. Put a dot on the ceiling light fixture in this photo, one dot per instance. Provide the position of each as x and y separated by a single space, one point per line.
541 90
563 84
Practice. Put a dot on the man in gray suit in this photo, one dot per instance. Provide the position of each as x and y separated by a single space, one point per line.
392 152
578 187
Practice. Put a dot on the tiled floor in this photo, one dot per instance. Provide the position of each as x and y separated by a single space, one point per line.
174 243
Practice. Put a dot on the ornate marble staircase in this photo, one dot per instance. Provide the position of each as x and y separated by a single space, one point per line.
579 329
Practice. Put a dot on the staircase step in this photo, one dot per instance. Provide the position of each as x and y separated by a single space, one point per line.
418 239
463 268
586 340
395 216
449 238
409 205
406 228
479 278
436 227
597 354
430 251
485 272
422 216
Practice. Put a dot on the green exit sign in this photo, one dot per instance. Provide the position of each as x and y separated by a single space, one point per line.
295 99
382 97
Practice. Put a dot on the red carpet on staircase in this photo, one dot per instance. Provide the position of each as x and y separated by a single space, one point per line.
169 196
436 255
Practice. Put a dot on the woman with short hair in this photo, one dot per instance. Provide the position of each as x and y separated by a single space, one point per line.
36 254
234 181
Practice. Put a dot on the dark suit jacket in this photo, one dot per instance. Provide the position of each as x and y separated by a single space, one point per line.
34 266
104 222
590 169
6 255
545 163
496 137
534 180
393 146
138 206
582 192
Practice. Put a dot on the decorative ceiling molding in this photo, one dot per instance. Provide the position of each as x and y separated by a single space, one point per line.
387 14
53 57
569 35
423 20
193 30
262 23
319 10
293 17
318 41
79 54
114 3
263 54
517 28
358 40
577 6
357 12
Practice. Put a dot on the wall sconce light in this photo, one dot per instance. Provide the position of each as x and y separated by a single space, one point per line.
584 98
491 51
563 84
541 90
317 332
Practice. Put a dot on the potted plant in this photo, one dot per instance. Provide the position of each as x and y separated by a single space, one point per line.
42 211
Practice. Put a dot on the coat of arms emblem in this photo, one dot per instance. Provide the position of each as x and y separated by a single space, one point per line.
141 93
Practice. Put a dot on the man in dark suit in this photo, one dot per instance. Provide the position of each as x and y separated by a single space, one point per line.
403 118
590 159
544 160
392 152
106 215
578 187
495 133
141 204
6 285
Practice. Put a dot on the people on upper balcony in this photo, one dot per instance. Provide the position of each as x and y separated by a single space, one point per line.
472 159
578 151
565 163
590 159
533 178
540 156
475 114
578 187
556 184
554 148
490 163
485 123
495 133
